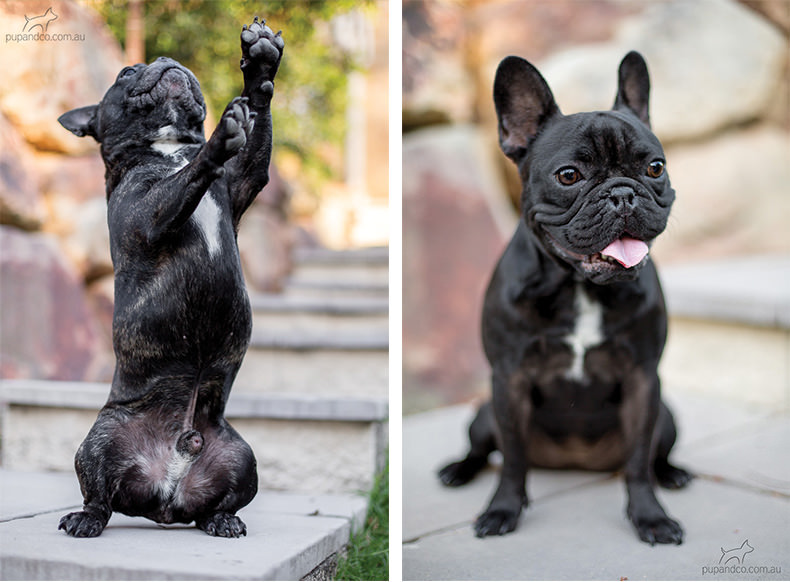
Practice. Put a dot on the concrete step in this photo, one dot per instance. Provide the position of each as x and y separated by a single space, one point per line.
349 372
338 271
729 329
317 345
288 537
303 442
752 290
282 313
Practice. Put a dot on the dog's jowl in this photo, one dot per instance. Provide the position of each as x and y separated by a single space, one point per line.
574 320
161 447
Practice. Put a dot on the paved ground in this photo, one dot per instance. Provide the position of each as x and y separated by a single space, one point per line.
288 536
576 526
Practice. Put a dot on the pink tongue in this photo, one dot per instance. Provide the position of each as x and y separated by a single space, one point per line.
626 251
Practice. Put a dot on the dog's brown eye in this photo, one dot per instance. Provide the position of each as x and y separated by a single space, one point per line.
568 176
655 168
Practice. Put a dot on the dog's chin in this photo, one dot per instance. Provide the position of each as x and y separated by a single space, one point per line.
595 267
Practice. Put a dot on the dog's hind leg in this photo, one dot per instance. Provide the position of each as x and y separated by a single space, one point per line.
482 443
91 471
222 481
668 475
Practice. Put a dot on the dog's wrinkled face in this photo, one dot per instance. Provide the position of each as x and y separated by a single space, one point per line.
147 104
598 193
595 187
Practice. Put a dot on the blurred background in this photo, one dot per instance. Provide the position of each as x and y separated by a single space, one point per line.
329 177
313 246
719 103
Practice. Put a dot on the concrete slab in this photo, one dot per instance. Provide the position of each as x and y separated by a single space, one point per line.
433 439
288 536
750 457
753 290
576 526
584 535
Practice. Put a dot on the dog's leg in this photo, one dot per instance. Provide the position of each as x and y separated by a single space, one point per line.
92 473
512 418
228 464
248 172
482 442
160 211
640 414
667 475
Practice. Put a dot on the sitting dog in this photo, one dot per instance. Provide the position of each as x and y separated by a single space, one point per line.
161 447
574 320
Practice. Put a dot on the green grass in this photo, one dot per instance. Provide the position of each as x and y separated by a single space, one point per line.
368 551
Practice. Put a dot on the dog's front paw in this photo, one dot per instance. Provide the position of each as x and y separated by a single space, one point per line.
658 529
232 131
261 52
496 522
671 477
460 473
221 524
81 524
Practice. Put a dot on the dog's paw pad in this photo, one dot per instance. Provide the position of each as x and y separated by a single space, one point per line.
260 44
236 125
496 522
223 525
81 525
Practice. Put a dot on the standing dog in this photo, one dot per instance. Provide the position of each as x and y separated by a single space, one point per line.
161 447
574 320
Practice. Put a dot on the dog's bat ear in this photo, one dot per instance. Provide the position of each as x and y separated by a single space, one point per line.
633 87
523 102
81 121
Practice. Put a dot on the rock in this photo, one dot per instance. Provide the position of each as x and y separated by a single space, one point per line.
47 330
455 226
436 85
101 300
44 78
265 245
75 178
266 238
776 11
731 197
88 242
713 64
20 202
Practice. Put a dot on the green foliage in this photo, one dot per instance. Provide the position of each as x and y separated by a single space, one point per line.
368 551
310 96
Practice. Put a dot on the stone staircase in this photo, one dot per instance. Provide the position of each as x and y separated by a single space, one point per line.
311 399
311 396
729 329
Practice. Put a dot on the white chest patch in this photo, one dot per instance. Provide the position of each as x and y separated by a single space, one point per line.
587 333
166 142
206 216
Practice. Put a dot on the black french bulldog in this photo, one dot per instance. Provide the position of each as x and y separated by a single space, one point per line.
574 320
161 447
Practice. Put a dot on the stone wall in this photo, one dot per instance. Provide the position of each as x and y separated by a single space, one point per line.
719 102
56 289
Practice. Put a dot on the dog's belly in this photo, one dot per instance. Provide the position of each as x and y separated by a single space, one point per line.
604 453
573 423
154 480
190 308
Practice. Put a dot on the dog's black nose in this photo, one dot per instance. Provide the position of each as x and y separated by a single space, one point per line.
621 197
